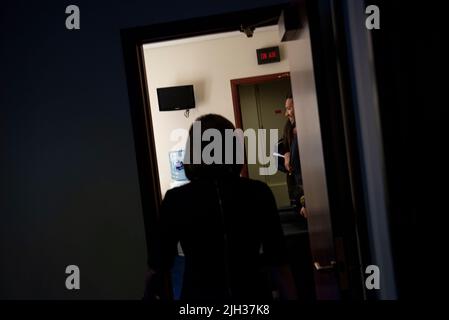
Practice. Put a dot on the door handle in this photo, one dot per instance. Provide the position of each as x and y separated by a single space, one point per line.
328 267
284 75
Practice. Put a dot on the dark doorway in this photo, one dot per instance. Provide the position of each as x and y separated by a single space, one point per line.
332 222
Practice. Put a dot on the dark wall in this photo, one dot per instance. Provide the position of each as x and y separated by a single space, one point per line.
69 183
412 99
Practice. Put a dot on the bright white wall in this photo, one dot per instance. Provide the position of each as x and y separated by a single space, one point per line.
209 65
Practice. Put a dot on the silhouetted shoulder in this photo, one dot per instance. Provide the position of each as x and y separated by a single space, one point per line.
179 189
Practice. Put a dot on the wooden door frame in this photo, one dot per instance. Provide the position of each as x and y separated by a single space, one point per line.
236 100
133 40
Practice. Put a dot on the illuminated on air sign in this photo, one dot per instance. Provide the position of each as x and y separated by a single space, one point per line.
268 55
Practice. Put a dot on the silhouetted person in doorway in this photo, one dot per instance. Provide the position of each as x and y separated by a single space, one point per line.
229 230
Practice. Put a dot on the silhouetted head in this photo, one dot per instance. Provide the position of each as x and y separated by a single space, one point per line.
197 147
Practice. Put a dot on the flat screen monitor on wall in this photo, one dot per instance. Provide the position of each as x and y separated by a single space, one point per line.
176 98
